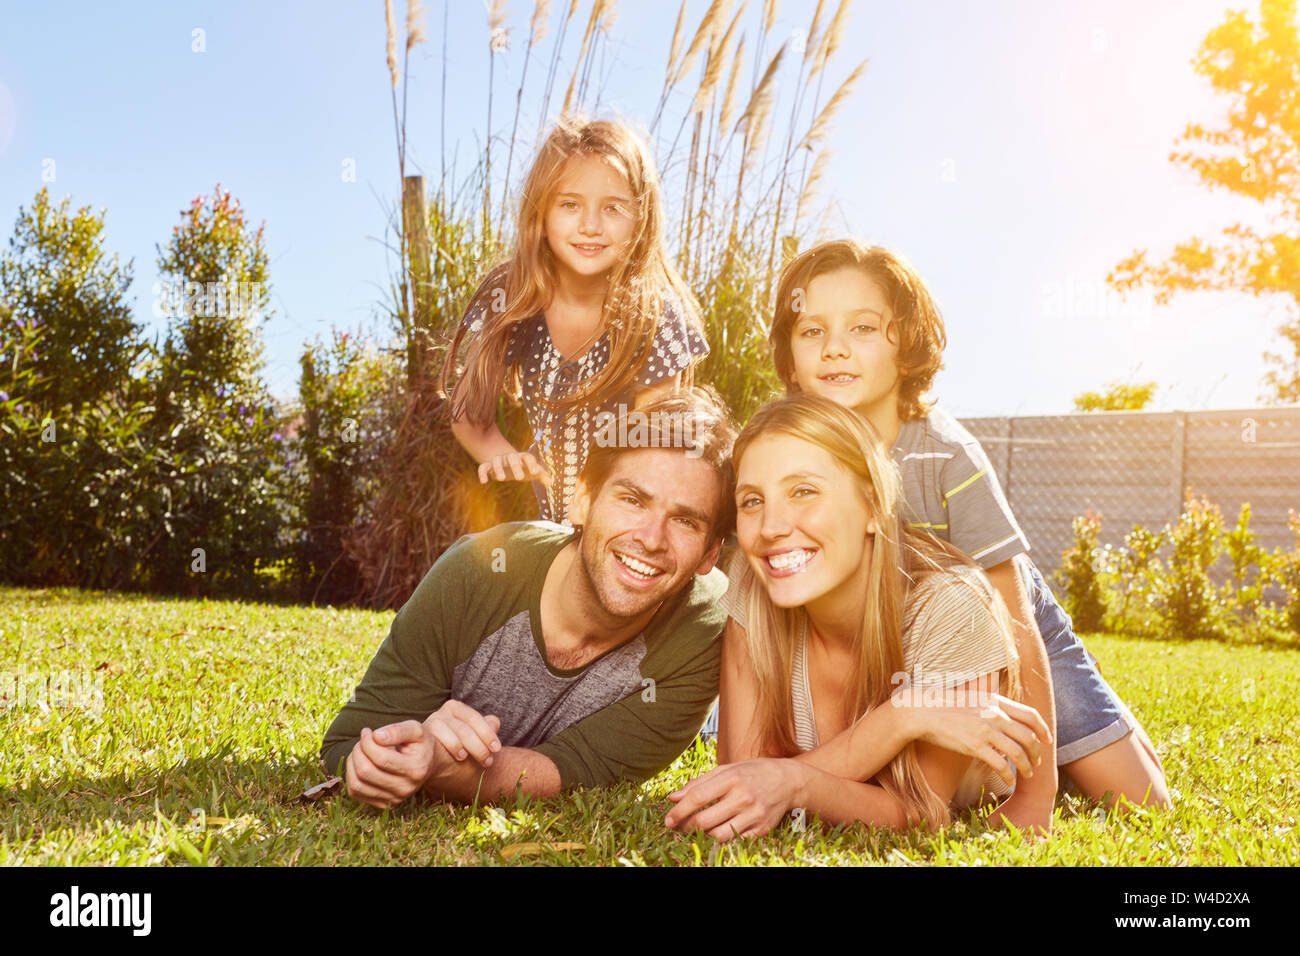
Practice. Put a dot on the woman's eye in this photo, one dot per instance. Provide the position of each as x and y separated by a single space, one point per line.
749 502
803 492
810 332
864 329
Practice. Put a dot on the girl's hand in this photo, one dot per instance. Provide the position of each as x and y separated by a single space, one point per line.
739 799
1002 729
515 466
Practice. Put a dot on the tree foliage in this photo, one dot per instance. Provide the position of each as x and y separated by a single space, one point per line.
1254 152
1116 398
58 277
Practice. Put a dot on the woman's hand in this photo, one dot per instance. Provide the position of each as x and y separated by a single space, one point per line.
514 466
1002 729
739 799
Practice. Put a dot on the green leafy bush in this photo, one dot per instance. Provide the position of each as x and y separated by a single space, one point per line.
1187 602
350 394
1078 575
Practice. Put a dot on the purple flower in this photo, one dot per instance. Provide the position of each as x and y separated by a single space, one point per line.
4 396
277 437
248 421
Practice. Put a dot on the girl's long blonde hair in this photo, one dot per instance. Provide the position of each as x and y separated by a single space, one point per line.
901 559
641 285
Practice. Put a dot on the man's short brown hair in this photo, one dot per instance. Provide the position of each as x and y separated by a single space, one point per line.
695 419
915 323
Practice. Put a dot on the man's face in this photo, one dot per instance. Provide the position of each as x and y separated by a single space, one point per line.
648 529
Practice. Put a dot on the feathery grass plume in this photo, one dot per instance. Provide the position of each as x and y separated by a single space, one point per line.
597 8
414 23
834 37
812 42
769 14
810 186
498 40
392 41
498 32
729 97
673 49
556 49
712 17
537 25
536 30
821 126
713 66
608 14
676 46
608 20
759 108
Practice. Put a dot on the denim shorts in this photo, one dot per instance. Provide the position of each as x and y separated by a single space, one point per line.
1089 715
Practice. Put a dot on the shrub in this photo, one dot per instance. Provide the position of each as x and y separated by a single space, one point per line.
349 392
1078 574
1188 604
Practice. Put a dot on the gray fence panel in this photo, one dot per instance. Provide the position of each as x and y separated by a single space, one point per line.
1135 467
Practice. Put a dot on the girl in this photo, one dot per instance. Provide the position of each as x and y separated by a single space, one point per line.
587 315
837 605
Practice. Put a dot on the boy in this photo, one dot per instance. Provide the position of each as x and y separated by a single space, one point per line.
856 324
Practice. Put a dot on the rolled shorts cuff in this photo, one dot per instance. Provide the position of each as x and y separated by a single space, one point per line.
1078 749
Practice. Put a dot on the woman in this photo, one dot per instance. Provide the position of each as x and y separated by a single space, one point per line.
837 609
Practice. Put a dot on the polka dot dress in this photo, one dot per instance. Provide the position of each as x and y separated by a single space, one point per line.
561 442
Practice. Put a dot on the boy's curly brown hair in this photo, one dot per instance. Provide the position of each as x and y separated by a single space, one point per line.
915 324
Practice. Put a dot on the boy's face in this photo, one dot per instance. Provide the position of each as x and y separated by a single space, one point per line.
839 346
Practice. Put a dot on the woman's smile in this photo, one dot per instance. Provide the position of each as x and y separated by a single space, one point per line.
802 521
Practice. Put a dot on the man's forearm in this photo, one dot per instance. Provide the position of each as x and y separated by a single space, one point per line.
468 782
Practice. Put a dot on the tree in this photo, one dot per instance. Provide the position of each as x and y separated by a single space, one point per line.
1255 153
224 509
1116 398
214 290
58 277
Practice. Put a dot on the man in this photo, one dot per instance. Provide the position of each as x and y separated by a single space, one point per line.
535 656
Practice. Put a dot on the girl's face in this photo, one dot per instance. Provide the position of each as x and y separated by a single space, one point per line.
839 346
802 521
591 218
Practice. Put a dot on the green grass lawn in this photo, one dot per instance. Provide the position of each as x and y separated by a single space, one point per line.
212 714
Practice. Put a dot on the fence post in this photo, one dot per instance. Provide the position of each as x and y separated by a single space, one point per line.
415 219
1178 460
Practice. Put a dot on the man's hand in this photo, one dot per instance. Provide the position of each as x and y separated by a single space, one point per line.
388 765
740 799
464 732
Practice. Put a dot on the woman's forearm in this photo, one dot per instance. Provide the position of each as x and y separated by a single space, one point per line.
835 799
864 749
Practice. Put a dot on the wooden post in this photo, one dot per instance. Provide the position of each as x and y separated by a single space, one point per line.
415 222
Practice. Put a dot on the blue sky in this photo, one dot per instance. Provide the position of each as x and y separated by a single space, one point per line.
1014 151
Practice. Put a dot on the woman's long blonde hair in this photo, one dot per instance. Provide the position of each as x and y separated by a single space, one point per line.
640 285
901 559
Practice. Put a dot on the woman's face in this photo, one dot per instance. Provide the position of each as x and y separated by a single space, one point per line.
801 519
